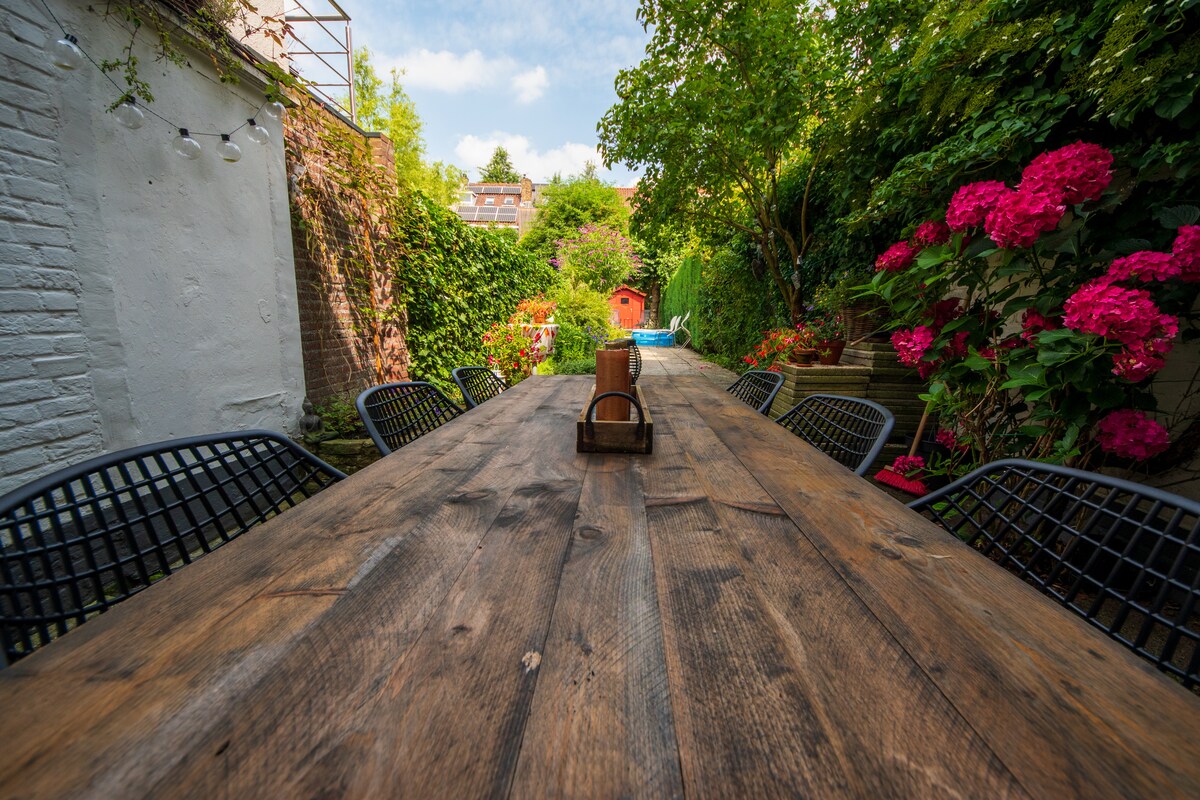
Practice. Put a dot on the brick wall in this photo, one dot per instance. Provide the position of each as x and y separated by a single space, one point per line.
345 349
48 413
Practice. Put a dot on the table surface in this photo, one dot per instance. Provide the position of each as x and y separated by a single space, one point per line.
488 613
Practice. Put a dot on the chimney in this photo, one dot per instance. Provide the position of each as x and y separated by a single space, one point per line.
526 190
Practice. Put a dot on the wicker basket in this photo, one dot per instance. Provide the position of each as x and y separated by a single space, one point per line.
861 321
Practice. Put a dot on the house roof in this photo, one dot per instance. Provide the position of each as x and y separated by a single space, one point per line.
494 188
624 288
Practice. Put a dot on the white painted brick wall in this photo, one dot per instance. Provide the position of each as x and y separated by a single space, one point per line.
48 412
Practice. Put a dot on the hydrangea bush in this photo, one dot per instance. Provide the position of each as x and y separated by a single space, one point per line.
1038 342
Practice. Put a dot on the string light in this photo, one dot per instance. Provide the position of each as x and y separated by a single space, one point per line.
257 133
129 115
229 151
66 54
185 146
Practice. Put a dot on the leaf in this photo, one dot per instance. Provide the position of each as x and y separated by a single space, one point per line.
1177 216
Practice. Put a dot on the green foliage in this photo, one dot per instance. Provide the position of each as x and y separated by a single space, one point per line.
681 295
565 207
341 419
735 307
583 366
598 257
458 281
390 110
500 169
760 65
574 343
582 307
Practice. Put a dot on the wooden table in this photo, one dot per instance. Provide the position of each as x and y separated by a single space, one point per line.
488 613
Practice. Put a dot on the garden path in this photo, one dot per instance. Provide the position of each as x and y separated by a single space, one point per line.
682 361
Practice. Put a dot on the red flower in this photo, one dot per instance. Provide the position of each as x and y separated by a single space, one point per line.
945 310
1034 323
1019 218
957 347
1186 253
971 204
1144 265
1136 364
1130 434
1072 174
912 345
947 439
908 466
896 258
931 233
1128 316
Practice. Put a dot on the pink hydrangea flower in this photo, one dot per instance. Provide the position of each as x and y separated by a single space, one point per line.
1033 323
931 233
1128 316
1144 265
908 465
897 258
1186 253
1019 218
957 346
926 369
912 345
1073 174
946 438
971 203
1130 434
1135 364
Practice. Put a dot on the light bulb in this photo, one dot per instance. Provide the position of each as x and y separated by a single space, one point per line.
257 133
274 109
185 146
129 115
228 150
65 52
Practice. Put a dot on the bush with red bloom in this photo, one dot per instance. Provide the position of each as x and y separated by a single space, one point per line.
943 311
931 233
896 258
1131 434
957 346
1073 174
971 204
1186 253
1033 323
949 440
1144 265
1019 218
1136 364
1128 316
912 345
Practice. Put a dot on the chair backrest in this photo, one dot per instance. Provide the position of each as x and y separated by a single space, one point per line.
477 384
850 429
1124 556
398 413
674 326
686 317
80 540
635 361
757 388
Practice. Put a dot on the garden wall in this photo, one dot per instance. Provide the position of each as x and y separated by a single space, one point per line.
352 327
143 296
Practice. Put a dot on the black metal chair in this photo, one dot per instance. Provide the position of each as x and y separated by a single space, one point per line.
80 540
757 388
398 413
850 429
477 384
635 361
1124 556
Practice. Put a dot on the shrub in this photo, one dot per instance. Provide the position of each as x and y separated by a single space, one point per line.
597 256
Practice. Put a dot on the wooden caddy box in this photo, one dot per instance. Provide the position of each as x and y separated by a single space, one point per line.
603 436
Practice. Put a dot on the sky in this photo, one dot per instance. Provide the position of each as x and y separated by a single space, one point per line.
533 76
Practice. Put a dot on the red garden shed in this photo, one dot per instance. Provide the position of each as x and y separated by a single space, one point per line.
628 307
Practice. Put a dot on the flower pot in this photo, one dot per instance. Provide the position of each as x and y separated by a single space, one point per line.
829 352
805 357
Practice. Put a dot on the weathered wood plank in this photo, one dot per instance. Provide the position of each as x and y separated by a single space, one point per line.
601 723
1069 712
803 692
185 672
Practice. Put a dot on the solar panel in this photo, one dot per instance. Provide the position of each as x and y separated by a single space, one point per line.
506 215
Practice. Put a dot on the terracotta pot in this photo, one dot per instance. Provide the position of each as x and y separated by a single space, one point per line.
829 352
804 358
539 319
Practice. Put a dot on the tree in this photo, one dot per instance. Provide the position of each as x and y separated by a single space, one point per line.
499 169
391 111
566 206
713 113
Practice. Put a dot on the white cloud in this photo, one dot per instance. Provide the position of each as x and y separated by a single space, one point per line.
450 72
567 159
531 84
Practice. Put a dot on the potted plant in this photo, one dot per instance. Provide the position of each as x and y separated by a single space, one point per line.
829 333
842 295
783 346
534 310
